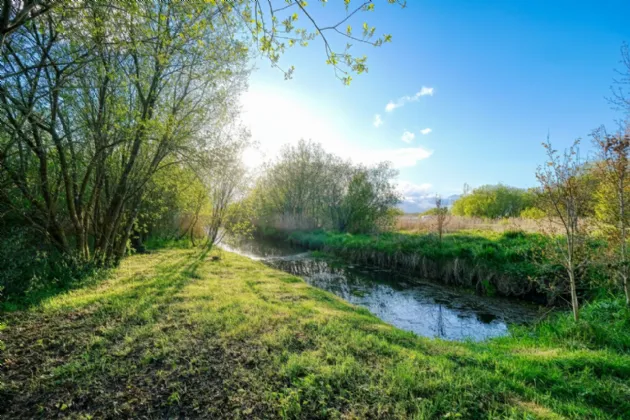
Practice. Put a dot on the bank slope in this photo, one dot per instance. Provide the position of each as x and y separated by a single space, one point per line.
175 333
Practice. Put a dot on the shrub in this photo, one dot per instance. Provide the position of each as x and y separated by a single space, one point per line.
31 270
533 213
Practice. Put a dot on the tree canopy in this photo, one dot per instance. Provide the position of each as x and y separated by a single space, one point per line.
494 201
307 187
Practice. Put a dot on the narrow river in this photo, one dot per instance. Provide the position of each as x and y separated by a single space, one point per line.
426 308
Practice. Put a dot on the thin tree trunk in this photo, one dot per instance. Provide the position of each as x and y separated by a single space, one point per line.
574 299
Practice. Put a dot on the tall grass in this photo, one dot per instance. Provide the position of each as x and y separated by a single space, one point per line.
491 263
417 223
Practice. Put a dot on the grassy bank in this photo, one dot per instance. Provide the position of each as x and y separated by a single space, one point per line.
176 333
490 262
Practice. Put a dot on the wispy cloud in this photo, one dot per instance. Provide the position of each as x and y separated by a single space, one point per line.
406 99
270 131
378 121
410 189
404 157
425 131
408 137
425 91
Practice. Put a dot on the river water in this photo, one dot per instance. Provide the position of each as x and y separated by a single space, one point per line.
426 308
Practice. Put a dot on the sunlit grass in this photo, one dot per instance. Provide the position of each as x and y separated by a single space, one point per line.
173 333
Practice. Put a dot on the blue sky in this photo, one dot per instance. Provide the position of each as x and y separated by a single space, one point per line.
495 78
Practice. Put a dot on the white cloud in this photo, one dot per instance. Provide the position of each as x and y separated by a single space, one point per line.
400 158
377 121
391 106
408 137
409 189
424 91
272 129
417 198
425 131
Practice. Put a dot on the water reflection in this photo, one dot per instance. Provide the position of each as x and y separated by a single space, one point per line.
426 308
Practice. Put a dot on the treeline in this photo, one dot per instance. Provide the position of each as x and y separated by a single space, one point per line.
582 205
496 201
118 123
95 102
306 187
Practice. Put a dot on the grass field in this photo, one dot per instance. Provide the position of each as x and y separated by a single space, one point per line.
177 334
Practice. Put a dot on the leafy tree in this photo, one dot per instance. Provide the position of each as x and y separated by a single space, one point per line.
225 188
83 140
369 199
613 197
564 198
14 14
275 26
493 202
442 216
306 186
533 213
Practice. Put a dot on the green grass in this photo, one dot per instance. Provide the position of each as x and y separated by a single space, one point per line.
510 252
175 334
492 263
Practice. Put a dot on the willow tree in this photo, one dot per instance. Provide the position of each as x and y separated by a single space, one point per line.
97 97
83 139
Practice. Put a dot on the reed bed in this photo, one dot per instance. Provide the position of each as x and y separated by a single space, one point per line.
491 263
417 223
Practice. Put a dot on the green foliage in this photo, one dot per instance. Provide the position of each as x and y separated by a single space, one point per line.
603 324
511 256
276 28
533 213
493 202
139 87
307 187
32 271
512 263
176 194
143 113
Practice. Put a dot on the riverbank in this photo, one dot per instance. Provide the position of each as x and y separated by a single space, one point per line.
176 333
490 263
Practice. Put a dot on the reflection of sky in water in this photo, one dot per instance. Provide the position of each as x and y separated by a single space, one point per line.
427 309
414 309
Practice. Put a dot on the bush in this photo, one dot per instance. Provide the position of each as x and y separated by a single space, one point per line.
493 202
533 213
31 270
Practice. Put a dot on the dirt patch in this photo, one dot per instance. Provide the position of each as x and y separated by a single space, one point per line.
64 366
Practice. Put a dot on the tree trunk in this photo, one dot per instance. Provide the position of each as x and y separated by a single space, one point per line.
574 299
625 289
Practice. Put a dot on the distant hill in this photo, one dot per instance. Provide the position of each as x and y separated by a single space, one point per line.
421 203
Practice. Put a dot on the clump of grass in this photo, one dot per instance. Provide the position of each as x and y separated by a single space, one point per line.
603 324
174 334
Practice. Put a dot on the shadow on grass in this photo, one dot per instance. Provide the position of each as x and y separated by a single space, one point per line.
60 276
125 338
